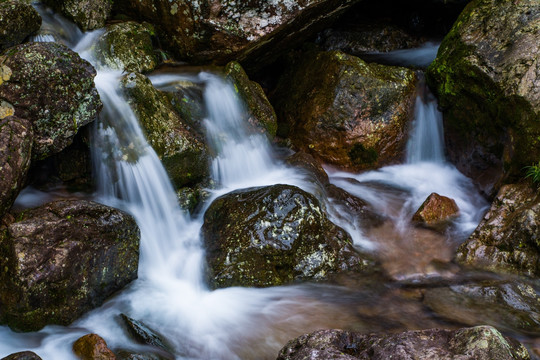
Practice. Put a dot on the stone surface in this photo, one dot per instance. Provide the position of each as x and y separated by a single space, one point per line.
182 151
127 46
260 113
274 235
344 111
53 88
479 343
87 14
16 138
143 334
508 238
310 166
17 21
435 211
487 76
92 347
62 259
24 355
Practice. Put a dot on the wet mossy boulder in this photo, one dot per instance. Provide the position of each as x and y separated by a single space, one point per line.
127 46
18 20
63 259
479 343
92 347
508 238
16 137
486 77
274 235
53 88
436 212
23 355
182 150
344 111
87 14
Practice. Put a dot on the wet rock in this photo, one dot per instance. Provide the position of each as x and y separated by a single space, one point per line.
16 138
17 21
486 78
481 343
346 112
508 238
274 235
127 46
88 14
24 355
62 259
128 355
92 347
53 88
436 211
310 165
181 150
143 334
187 98
512 306
260 113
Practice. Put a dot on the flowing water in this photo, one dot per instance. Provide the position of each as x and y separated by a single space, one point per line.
170 294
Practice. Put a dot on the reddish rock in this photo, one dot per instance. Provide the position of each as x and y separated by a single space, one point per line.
436 210
92 347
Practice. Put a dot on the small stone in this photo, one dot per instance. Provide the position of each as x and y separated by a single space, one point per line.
92 347
436 211
24 355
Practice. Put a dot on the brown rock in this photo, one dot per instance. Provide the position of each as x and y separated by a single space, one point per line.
92 347
436 210
24 355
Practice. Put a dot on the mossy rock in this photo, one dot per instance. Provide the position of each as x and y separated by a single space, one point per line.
18 20
87 14
127 46
344 111
274 235
182 151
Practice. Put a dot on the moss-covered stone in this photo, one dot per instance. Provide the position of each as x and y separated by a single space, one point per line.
88 14
53 88
486 78
345 111
18 20
127 46
62 259
260 113
272 236
181 150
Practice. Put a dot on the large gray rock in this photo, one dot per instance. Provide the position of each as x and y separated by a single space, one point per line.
479 343
62 259
88 14
18 20
274 235
508 238
53 88
487 76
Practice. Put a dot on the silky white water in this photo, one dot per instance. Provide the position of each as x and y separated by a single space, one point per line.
170 294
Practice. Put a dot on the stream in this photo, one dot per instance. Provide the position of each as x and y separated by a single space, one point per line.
170 294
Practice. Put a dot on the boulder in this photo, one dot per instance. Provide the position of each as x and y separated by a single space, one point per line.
310 166
512 306
92 347
16 138
508 238
53 88
24 355
260 113
62 259
17 21
87 14
181 150
143 334
479 343
436 211
274 235
127 46
486 77
218 30
346 112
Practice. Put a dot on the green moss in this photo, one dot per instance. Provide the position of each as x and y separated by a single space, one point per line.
361 155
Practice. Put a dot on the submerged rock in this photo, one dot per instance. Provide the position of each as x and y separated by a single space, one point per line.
508 238
143 334
182 151
92 347
486 77
88 14
274 235
62 259
436 211
127 46
346 112
16 138
480 343
53 88
17 21
260 113
24 355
